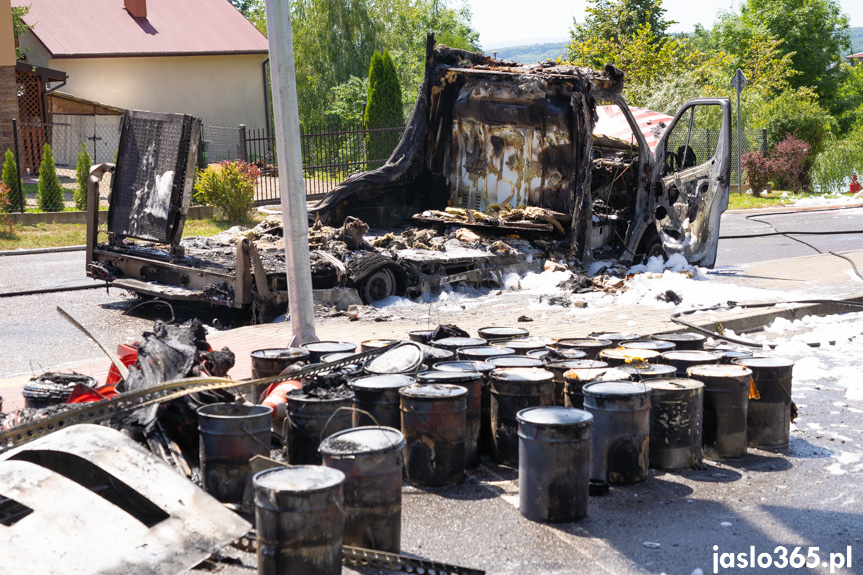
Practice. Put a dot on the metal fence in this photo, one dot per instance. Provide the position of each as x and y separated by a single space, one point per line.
703 145
330 154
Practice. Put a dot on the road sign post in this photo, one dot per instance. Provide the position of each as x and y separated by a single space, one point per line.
738 80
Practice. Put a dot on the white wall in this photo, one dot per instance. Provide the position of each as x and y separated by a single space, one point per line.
221 90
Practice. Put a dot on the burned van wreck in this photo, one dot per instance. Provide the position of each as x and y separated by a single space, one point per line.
501 165
491 141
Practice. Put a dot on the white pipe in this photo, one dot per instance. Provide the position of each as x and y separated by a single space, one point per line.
293 190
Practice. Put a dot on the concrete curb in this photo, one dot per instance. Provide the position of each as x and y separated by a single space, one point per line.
42 251
793 209
32 218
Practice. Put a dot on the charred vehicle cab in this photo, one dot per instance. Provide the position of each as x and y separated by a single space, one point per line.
487 135
493 146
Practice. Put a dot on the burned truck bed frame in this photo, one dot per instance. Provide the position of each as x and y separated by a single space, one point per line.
486 139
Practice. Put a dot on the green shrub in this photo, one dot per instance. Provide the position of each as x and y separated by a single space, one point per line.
10 183
837 162
49 194
82 174
228 187
797 112
5 224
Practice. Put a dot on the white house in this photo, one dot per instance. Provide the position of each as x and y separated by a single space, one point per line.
198 57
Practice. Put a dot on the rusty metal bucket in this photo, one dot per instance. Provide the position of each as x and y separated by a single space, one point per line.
589 345
434 424
502 333
483 352
621 431
299 519
270 362
455 343
310 420
229 435
318 349
619 356
683 360
553 463
768 421
378 395
651 344
515 361
483 368
726 405
371 459
676 410
640 371
472 382
558 368
514 389
684 341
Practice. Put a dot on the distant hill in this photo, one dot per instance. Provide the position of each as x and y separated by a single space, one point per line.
531 53
856 39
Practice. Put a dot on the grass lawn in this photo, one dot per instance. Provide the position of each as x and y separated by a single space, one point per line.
771 200
58 235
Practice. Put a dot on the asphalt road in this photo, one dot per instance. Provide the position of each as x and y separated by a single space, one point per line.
33 336
747 250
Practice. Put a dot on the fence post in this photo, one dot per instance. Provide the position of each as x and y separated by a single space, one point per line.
18 165
763 141
243 152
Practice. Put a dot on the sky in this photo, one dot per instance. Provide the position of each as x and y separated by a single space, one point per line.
510 23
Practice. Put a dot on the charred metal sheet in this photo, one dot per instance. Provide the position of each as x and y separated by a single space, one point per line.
100 503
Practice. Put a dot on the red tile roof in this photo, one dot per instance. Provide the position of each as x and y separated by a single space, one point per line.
858 55
99 28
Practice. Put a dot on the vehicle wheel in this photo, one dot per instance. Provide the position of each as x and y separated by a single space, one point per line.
377 277
380 285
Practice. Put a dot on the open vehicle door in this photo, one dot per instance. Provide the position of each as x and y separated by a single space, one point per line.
691 179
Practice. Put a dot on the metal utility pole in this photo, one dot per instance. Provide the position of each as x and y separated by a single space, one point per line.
295 222
738 80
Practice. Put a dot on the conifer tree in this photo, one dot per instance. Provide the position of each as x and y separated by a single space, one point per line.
383 107
82 174
10 181
49 194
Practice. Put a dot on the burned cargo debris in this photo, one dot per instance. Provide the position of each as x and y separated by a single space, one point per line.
490 142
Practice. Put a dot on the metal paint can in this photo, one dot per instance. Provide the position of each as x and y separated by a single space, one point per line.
515 361
525 345
686 340
421 335
726 405
574 379
299 519
730 355
502 333
683 360
768 421
483 368
640 371
318 349
371 459
435 355
514 389
434 424
310 420
615 338
651 344
615 356
229 435
590 346
557 354
406 358
379 396
454 343
553 463
558 368
676 409
620 439
376 343
472 382
483 352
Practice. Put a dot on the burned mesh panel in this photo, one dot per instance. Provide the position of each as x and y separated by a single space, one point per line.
149 184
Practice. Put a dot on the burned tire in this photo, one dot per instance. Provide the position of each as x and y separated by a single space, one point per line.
376 277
